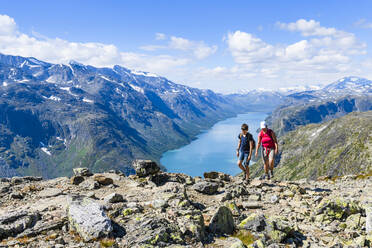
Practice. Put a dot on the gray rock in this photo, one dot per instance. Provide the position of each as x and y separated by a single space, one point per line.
103 180
211 175
159 203
42 226
16 180
145 167
82 172
90 184
16 195
254 197
88 218
4 189
113 198
252 205
50 192
255 222
222 221
208 188
15 222
274 199
76 180
32 179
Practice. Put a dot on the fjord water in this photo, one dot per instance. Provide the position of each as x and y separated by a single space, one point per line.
214 149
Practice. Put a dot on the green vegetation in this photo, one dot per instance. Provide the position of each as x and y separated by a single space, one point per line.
245 236
338 147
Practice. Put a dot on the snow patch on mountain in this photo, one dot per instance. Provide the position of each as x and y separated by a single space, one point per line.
138 89
87 100
44 149
142 73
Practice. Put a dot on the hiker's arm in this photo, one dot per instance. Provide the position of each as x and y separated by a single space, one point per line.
258 145
237 149
276 143
250 149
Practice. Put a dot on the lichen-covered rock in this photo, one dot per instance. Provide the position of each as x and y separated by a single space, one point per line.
338 209
355 221
254 222
191 224
88 218
145 167
153 232
83 171
208 188
222 221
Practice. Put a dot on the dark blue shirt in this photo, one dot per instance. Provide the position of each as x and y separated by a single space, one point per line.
244 145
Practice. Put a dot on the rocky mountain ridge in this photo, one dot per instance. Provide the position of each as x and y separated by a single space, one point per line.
157 209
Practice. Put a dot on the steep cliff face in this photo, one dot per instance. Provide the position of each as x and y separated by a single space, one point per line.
338 147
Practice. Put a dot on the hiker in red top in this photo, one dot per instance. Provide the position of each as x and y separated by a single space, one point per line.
269 149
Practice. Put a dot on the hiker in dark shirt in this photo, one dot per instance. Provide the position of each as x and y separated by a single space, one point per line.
244 150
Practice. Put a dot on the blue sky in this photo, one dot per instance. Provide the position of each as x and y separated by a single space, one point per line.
225 46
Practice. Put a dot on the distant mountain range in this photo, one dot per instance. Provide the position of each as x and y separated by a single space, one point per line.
54 117
346 95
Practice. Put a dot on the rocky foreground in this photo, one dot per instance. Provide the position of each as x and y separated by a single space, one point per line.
157 209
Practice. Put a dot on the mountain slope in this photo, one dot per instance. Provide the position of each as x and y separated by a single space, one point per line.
285 119
338 147
55 117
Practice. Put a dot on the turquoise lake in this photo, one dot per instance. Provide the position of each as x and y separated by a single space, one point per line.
214 149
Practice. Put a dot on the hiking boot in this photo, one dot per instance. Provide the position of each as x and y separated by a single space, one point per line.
271 173
266 176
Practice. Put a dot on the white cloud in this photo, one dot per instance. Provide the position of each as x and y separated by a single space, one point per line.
323 54
198 49
308 28
7 25
247 48
57 50
363 23
332 49
160 36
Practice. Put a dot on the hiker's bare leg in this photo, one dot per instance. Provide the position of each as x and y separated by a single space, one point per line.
241 165
266 166
247 172
271 164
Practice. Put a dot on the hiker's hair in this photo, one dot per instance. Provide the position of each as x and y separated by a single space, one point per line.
244 126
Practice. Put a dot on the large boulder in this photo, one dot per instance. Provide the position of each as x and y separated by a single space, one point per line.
208 188
88 218
222 221
145 167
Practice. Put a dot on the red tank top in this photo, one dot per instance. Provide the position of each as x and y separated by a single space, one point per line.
266 139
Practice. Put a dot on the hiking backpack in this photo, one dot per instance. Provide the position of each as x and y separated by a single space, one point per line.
251 137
